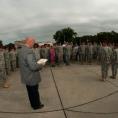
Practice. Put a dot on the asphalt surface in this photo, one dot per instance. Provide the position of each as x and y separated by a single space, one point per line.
66 91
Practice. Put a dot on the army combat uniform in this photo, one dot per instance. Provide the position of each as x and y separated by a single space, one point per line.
105 61
13 60
3 76
7 62
37 53
66 55
114 63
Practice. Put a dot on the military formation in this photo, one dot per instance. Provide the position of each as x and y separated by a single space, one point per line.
104 54
8 64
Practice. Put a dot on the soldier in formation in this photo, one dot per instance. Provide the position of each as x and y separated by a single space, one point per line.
114 62
86 53
3 75
105 60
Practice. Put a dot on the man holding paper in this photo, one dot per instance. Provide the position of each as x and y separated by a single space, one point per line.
29 69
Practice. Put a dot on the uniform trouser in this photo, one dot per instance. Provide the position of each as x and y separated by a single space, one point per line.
13 65
99 58
114 69
104 69
75 57
57 59
3 75
33 95
82 57
79 58
90 58
66 59
8 67
7 71
60 57
86 58
17 64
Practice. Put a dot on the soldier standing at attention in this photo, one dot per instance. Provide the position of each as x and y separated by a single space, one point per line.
114 62
7 60
90 53
105 61
60 53
82 46
3 75
66 54
36 51
13 58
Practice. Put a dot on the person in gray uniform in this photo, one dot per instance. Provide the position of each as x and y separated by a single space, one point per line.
42 51
60 53
99 53
69 49
75 52
82 46
90 53
3 76
114 62
105 61
13 59
66 54
95 51
79 54
36 51
87 53
7 61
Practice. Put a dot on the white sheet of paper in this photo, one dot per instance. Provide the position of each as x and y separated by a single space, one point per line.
41 61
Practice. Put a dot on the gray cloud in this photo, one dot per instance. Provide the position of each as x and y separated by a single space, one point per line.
43 18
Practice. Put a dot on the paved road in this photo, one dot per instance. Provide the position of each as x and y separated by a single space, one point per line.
67 92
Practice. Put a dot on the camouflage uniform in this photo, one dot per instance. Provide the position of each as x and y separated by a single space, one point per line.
13 59
46 52
60 53
42 52
90 53
37 53
69 49
75 52
95 51
3 76
79 53
82 47
105 61
99 54
7 62
65 55
114 63
57 54
86 53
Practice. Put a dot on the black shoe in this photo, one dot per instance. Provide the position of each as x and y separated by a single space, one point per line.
38 107
41 106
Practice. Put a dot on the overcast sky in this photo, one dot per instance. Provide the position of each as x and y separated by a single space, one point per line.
42 18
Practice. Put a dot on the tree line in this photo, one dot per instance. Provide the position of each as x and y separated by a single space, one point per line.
69 35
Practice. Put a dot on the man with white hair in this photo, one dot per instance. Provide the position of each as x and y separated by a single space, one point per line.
29 70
